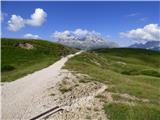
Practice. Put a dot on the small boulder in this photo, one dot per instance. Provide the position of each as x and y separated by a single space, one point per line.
25 45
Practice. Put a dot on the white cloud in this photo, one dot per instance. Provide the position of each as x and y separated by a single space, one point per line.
78 34
17 22
31 36
37 18
149 32
82 38
62 35
133 14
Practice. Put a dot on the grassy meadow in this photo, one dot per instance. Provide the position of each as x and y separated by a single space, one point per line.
17 61
135 72
125 71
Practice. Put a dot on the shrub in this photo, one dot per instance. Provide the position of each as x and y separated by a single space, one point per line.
5 68
151 73
64 88
130 72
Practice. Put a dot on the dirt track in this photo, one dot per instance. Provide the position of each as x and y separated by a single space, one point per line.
23 98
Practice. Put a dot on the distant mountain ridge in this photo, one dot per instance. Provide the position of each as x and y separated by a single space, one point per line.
152 45
83 39
87 44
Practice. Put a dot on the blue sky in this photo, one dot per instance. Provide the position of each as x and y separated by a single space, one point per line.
107 18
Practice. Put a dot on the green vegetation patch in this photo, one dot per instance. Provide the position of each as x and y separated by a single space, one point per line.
7 68
65 88
131 71
18 61
121 111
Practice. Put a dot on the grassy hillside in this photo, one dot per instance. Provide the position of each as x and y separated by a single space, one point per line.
135 72
18 61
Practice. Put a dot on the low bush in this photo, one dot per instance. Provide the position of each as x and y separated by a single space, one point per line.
5 68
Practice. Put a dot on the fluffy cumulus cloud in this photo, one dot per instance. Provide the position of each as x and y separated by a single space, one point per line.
31 36
149 32
37 19
15 23
82 38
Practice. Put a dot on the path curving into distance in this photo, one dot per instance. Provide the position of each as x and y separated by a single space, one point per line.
19 96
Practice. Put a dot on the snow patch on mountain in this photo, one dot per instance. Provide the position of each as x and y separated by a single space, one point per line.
82 39
152 45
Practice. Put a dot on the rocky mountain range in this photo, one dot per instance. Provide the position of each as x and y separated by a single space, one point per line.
152 45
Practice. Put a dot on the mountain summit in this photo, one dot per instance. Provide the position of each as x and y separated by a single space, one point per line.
83 39
152 45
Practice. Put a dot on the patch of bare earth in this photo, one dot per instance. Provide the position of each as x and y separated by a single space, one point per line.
80 98
25 45
76 98
110 97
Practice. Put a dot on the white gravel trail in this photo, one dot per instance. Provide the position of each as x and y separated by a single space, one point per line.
20 95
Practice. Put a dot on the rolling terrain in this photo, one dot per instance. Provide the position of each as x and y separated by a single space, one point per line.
21 57
132 77
106 84
28 96
151 45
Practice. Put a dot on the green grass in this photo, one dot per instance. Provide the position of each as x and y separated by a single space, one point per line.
132 71
64 88
17 62
127 112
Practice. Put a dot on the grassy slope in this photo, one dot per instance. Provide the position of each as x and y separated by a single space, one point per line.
17 61
132 71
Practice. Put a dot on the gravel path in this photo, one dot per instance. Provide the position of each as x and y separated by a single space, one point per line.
18 97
